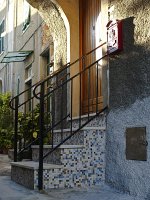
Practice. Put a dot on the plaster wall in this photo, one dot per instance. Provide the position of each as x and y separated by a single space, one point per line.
71 10
6 74
3 76
105 68
129 97
24 41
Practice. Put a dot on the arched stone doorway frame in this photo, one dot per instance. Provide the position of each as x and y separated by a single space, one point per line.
59 28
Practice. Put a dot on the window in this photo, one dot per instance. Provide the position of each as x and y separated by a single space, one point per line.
1 86
18 86
28 85
47 58
26 15
29 95
2 32
28 73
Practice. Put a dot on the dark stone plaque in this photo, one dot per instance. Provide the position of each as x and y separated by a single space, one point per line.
136 144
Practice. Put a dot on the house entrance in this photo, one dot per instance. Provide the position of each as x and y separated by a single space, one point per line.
89 39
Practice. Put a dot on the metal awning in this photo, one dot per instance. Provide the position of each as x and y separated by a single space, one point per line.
15 56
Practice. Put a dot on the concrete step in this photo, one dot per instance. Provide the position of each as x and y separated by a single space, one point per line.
26 174
24 155
55 157
80 165
77 139
98 123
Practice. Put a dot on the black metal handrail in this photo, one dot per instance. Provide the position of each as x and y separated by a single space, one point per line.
59 87
62 100
11 103
67 66
73 133
23 103
55 96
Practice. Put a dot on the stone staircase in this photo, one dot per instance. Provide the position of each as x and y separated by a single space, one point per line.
80 161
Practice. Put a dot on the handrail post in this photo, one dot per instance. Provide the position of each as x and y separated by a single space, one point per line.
16 129
40 175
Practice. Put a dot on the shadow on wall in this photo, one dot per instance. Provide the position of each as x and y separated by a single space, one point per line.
138 5
130 70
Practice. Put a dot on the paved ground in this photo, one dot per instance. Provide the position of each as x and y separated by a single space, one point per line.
12 191
4 165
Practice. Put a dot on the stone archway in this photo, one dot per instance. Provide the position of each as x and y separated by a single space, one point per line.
58 25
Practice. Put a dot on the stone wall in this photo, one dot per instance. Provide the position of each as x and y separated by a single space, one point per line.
129 97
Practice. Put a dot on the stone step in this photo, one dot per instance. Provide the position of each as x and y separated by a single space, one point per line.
55 157
26 174
81 166
76 139
75 165
24 155
80 139
98 121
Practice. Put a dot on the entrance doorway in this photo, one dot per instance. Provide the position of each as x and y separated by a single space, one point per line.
90 11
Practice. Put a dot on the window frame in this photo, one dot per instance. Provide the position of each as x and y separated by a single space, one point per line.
26 17
2 36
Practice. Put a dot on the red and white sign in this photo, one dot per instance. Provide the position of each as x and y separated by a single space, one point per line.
114 36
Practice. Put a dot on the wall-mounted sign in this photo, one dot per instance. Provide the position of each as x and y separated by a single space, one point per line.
114 36
136 143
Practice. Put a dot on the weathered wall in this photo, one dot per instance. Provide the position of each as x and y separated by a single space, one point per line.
6 69
26 40
129 97
51 14
37 37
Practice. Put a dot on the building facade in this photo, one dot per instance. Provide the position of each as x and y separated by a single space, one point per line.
6 29
61 32
23 30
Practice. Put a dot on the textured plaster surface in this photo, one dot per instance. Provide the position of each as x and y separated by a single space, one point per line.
51 14
127 175
129 70
129 97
